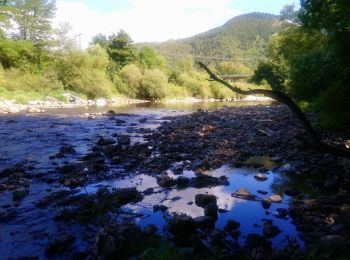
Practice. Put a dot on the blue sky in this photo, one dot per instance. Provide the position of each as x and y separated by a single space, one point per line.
155 20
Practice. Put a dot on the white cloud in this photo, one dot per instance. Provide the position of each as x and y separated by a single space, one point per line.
151 20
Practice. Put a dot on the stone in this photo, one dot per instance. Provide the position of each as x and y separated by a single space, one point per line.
266 203
182 181
165 181
7 215
205 222
202 200
105 246
3 187
255 241
123 140
119 121
275 198
291 192
150 229
182 226
263 192
231 225
59 245
33 110
270 230
211 210
333 242
260 177
19 194
243 193
105 141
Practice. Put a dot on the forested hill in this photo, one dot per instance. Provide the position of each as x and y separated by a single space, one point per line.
242 36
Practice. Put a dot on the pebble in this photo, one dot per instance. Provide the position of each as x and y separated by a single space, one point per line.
275 198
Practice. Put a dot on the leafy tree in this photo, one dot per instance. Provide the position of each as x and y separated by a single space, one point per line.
120 49
100 39
150 58
32 18
153 85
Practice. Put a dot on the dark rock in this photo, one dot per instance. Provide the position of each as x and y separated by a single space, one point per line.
67 149
105 141
270 230
282 213
150 229
255 241
211 210
263 192
202 200
123 140
266 203
332 242
165 181
119 121
105 246
148 191
182 181
111 113
205 222
291 193
7 215
161 208
19 194
182 226
127 195
231 225
59 245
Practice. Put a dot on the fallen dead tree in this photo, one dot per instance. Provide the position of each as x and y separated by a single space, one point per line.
313 139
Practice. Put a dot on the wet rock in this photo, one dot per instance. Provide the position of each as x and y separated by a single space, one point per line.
105 141
182 226
270 230
266 203
182 181
255 241
275 198
161 208
332 242
165 181
281 213
202 181
3 187
291 192
150 229
126 195
111 113
185 251
67 149
59 245
105 246
123 140
345 208
205 222
148 191
260 177
202 200
243 193
7 215
119 121
263 192
231 225
211 210
19 194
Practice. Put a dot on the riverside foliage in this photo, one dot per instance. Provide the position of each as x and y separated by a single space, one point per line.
37 60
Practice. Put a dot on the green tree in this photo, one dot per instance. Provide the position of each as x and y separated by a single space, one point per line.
151 59
100 39
32 18
120 49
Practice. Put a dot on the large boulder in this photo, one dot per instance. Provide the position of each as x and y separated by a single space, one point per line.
203 200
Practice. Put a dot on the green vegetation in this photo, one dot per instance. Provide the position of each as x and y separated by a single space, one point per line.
310 59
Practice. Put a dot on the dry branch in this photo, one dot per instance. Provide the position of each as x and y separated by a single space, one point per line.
314 141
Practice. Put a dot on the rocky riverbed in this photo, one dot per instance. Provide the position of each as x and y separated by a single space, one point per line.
223 183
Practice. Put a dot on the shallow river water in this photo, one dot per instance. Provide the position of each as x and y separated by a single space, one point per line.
35 138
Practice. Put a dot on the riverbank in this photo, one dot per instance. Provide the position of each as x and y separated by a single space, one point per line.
247 187
73 101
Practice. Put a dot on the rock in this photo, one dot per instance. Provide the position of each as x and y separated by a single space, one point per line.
182 181
119 121
150 229
59 245
260 177
7 215
202 200
205 222
127 195
165 181
105 246
255 241
275 198
33 110
161 208
19 194
148 191
270 230
231 225
105 141
345 208
182 226
185 250
211 210
3 187
263 192
123 140
333 242
243 193
67 149
282 213
266 203
291 193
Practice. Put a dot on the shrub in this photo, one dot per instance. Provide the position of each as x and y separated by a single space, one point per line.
153 85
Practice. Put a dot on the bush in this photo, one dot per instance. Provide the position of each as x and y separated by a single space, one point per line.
153 85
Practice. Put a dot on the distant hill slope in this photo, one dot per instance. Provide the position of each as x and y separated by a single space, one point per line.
242 37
